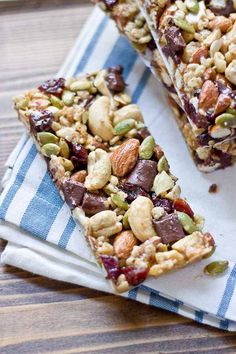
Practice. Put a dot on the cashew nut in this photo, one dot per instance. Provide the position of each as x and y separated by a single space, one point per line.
99 170
105 224
99 120
101 84
126 112
140 218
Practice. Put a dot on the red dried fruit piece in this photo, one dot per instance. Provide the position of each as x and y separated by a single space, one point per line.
40 121
112 267
135 276
54 86
115 80
80 153
162 202
183 206
132 191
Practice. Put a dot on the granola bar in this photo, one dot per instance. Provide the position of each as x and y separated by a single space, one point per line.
209 149
114 176
196 41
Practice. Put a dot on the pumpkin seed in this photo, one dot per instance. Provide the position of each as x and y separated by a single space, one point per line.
215 268
124 127
50 149
184 25
80 85
56 102
146 148
208 255
67 164
65 151
231 111
118 201
187 223
226 120
45 138
163 164
192 6
68 97
125 221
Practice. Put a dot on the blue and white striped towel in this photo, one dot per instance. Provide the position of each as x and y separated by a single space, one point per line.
32 212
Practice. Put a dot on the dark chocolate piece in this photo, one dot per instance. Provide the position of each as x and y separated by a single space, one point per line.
169 228
143 174
40 121
93 203
115 80
73 192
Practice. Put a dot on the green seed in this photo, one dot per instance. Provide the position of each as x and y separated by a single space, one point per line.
124 127
68 97
216 268
146 148
231 111
125 221
187 223
68 165
46 138
163 164
50 149
80 85
226 120
184 25
65 151
118 201
56 102
208 255
192 6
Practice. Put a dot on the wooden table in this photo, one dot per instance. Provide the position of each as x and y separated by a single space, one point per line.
39 315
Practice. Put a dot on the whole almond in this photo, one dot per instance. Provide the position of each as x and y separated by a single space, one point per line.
208 96
124 243
198 54
79 176
222 104
221 22
209 74
124 158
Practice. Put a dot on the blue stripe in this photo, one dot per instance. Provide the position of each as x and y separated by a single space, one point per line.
91 46
141 85
122 52
18 181
199 315
157 300
228 293
133 293
224 324
43 209
65 237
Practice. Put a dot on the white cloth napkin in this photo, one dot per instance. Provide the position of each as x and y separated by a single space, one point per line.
44 239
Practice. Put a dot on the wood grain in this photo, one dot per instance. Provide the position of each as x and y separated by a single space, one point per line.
39 315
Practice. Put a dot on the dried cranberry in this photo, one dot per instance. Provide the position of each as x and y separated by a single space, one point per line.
199 120
182 205
170 53
162 202
175 39
54 86
110 3
203 139
115 80
112 267
224 158
40 121
133 192
80 153
135 276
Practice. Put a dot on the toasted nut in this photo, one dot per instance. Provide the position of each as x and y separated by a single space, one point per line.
210 74
221 22
162 183
80 85
99 120
187 222
147 148
124 243
208 96
124 127
230 72
105 224
99 170
119 202
66 133
220 62
130 111
67 164
140 218
125 221
226 120
68 97
50 149
184 25
45 138
216 268
222 104
79 176
100 83
217 132
201 52
124 158
65 151
163 164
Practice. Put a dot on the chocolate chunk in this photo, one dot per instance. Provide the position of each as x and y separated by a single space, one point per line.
143 174
175 39
54 86
213 188
115 80
142 134
132 192
80 153
223 10
40 121
170 53
199 120
73 192
162 202
93 203
169 228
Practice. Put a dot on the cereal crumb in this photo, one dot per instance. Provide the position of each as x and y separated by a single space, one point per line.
213 188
